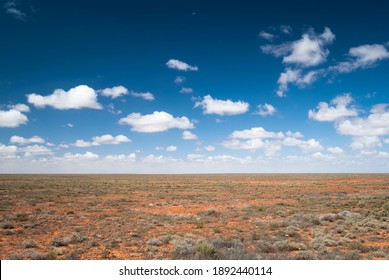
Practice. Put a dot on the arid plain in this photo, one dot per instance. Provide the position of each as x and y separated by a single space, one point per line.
223 216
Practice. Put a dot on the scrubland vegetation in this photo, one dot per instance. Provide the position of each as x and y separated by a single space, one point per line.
323 216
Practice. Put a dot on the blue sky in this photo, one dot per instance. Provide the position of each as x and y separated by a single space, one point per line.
194 86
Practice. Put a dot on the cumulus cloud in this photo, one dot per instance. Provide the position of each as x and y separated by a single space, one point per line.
187 135
121 157
186 90
375 124
266 110
326 113
155 122
270 148
222 107
171 148
307 146
76 98
114 92
12 118
308 51
23 108
335 150
78 156
209 148
255 133
296 134
8 151
144 95
23 141
106 139
294 76
34 150
366 143
363 56
180 65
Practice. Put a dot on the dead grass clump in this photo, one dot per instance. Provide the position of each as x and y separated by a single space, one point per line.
231 250
286 245
65 241
329 217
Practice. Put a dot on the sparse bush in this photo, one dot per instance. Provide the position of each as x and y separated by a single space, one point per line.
28 243
305 255
14 257
328 217
153 242
6 225
286 245
204 250
183 246
35 255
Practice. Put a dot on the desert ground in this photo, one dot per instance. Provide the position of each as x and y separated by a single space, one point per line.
223 216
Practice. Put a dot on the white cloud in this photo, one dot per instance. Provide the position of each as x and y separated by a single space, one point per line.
326 113
294 76
255 133
209 148
383 154
335 150
307 52
270 148
155 122
179 80
308 146
171 148
85 156
366 143
266 35
106 139
187 135
8 151
114 92
296 134
70 125
286 29
121 157
266 110
23 141
386 141
144 95
82 144
34 150
11 7
20 107
158 159
222 107
362 57
109 139
12 118
376 124
186 90
180 65
76 98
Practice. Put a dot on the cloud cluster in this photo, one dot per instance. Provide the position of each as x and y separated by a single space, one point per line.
257 138
222 107
24 141
326 113
365 131
155 122
311 50
11 7
106 139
